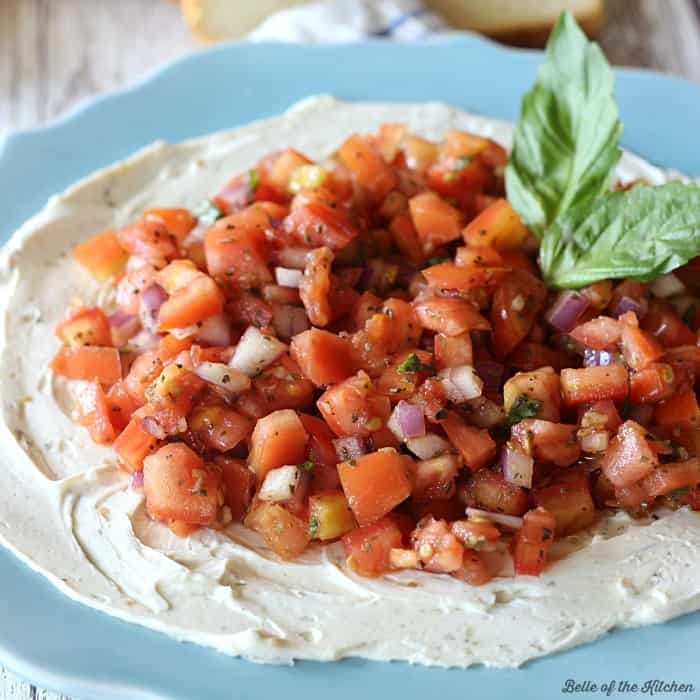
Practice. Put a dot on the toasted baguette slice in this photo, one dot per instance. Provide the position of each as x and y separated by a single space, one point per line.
520 22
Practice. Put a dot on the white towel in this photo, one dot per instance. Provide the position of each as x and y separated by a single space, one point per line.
350 20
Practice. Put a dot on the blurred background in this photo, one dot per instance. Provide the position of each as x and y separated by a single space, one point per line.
53 53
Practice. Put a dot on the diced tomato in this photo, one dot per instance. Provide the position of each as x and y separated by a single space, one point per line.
435 220
86 327
149 240
376 483
317 224
171 396
236 249
489 490
455 351
664 324
448 275
398 381
178 222
541 386
218 427
368 549
600 333
639 347
177 274
450 316
672 476
570 503
180 486
531 356
474 444
462 144
200 300
652 384
330 516
88 362
478 257
431 397
320 449
498 226
121 405
681 410
554 443
248 309
438 549
238 484
474 569
278 169
284 533
629 457
323 357
600 414
516 304
278 439
434 478
133 445
368 166
316 285
282 386
406 237
94 413
389 138
594 384
102 255
532 542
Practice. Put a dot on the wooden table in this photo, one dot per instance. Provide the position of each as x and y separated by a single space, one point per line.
55 53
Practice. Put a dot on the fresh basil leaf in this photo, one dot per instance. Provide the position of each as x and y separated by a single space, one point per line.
640 233
565 144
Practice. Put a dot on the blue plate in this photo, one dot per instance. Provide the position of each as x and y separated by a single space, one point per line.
70 648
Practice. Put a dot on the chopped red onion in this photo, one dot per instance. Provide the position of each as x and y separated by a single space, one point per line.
290 257
289 320
120 318
428 446
491 373
568 307
145 340
512 522
461 383
599 358
595 441
196 235
152 426
667 286
256 351
626 304
152 298
216 331
297 502
288 277
280 484
237 195
407 421
124 326
517 467
136 481
230 380
350 447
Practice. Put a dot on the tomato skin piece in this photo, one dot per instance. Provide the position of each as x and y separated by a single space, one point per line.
102 255
474 444
88 362
284 533
316 224
201 299
489 490
375 483
368 167
237 481
180 486
570 503
681 410
532 542
436 221
450 316
278 439
236 249
498 226
516 305
94 413
594 384
629 457
86 327
323 357
133 445
368 548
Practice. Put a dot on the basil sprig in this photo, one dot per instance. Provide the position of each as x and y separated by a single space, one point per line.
565 148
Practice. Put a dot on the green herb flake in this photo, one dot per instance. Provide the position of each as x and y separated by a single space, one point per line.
306 466
253 180
524 407
314 525
436 260
207 212
462 162
413 363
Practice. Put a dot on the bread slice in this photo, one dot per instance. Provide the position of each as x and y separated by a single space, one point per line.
520 22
